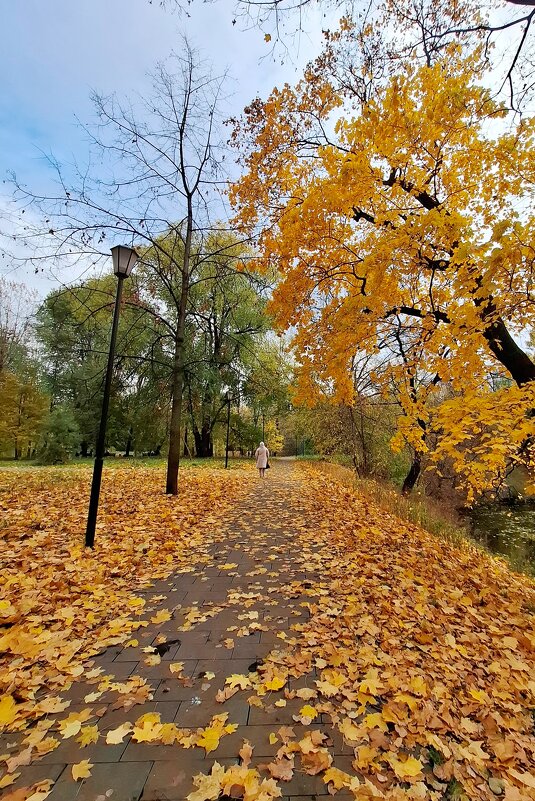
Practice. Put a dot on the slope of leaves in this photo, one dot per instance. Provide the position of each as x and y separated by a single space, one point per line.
423 653
61 602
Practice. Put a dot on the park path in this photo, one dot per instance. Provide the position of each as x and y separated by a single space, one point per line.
256 568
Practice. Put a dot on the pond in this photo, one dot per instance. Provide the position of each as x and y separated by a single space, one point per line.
508 531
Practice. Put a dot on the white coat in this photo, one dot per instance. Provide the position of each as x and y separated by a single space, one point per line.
262 456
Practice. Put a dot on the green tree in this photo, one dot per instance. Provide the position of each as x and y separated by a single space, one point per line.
73 328
60 436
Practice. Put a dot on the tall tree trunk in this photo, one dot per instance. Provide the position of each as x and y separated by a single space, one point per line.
412 476
84 448
203 442
173 458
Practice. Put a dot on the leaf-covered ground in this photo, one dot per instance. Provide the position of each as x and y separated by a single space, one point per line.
387 664
60 602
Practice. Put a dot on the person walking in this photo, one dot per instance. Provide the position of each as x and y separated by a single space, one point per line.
262 457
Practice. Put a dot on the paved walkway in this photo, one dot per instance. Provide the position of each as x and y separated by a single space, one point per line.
241 607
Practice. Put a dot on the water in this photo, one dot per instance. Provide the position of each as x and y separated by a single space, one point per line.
507 531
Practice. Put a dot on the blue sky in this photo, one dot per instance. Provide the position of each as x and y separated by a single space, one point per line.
56 52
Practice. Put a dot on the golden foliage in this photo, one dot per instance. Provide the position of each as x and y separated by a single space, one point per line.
401 228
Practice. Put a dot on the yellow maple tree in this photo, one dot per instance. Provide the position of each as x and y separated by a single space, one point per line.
401 227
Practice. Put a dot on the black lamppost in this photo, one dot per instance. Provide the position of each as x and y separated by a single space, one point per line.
228 429
263 425
124 259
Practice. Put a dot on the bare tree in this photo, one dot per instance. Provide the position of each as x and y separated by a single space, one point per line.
155 181
16 308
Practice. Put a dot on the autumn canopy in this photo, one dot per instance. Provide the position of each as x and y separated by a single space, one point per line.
398 211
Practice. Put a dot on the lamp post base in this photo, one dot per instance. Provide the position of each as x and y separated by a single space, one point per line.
93 503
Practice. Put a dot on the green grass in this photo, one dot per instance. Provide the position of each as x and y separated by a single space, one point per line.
121 462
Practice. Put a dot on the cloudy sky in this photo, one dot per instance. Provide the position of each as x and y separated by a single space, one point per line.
56 52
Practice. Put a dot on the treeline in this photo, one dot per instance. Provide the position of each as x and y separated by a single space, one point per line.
54 359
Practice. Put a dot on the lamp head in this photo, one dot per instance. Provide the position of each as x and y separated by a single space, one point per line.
124 259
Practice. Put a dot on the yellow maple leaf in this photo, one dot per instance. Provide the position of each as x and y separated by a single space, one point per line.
47 745
147 732
306 693
8 710
91 697
337 778
82 770
418 685
479 695
88 735
237 680
408 769
176 667
208 786
375 721
8 779
308 711
161 617
92 674
52 705
328 689
209 739
71 728
276 683
116 736
349 730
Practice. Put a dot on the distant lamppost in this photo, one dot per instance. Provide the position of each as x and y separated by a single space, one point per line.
124 258
263 426
228 429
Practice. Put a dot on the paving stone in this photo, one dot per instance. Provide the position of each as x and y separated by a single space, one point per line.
114 717
258 736
119 670
173 780
69 752
196 651
36 773
303 784
276 716
194 715
126 780
252 651
155 752
171 690
223 667
162 671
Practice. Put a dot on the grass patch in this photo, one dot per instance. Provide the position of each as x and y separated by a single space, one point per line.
114 462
